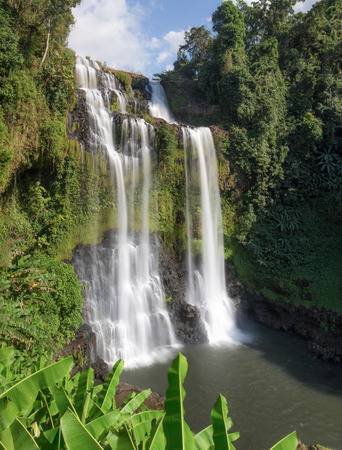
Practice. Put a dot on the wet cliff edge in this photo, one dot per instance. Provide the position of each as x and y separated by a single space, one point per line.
320 328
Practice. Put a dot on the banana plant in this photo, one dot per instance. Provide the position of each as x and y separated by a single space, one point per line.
177 432
289 442
222 423
49 410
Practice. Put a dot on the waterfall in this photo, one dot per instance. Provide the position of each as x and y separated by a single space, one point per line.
125 302
159 107
205 250
206 273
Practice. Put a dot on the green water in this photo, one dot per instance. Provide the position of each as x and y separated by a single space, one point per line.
273 385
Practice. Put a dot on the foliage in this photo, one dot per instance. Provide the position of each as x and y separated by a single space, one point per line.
52 194
41 302
125 79
167 196
193 54
49 409
275 77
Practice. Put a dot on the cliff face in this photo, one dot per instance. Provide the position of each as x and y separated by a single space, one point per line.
294 294
188 104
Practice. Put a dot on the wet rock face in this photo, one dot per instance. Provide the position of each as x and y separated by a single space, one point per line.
321 329
187 322
79 122
186 318
80 348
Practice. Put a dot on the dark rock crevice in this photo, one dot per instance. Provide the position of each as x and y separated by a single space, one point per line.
320 328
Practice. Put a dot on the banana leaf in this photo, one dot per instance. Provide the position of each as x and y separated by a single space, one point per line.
102 424
8 414
121 441
22 438
221 425
136 402
24 393
76 436
289 442
85 384
61 399
157 439
6 439
140 425
177 432
204 439
107 395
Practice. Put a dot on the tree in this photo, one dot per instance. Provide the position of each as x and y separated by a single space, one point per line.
193 55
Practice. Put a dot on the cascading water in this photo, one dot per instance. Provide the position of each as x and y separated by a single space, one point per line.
125 304
159 107
206 275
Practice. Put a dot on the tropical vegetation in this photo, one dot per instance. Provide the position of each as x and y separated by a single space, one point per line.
49 409
270 79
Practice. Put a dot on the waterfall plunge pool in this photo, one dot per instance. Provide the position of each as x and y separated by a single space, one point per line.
272 384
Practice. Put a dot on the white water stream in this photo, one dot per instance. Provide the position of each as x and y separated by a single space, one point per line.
206 274
125 307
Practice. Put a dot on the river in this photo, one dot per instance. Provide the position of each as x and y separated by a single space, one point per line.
273 386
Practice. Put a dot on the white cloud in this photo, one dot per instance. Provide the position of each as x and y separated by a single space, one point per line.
110 31
170 44
301 6
163 56
155 43
113 31
174 39
304 6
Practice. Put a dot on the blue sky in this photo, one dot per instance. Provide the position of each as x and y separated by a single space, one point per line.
138 35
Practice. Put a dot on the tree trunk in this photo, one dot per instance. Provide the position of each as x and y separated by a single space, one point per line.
47 44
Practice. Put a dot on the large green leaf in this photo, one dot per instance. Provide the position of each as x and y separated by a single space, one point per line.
102 424
8 413
22 438
136 402
84 388
76 436
177 432
121 441
25 392
221 425
61 399
107 395
289 442
6 439
140 425
204 439
157 439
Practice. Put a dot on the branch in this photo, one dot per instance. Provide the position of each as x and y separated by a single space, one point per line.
47 44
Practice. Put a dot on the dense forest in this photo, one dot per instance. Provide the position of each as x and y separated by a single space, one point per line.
270 79
44 188
267 81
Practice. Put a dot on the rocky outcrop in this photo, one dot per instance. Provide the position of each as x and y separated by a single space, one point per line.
80 348
320 328
186 318
188 104
124 392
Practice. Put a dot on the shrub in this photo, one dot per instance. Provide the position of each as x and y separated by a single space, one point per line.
41 302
